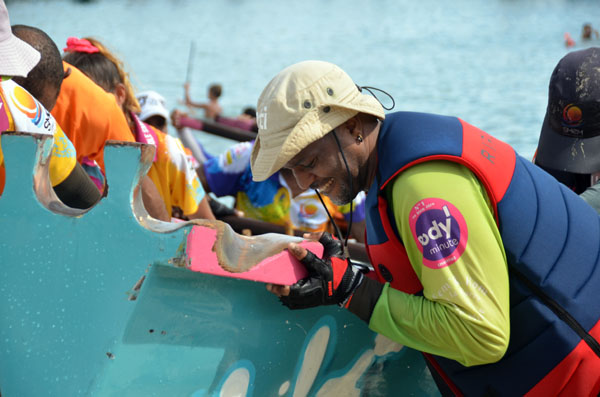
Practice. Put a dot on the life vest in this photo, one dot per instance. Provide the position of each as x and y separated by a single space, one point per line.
552 242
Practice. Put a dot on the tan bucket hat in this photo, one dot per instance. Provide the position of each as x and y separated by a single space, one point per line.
303 103
17 58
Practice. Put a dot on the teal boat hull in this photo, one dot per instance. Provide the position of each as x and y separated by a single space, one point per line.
97 303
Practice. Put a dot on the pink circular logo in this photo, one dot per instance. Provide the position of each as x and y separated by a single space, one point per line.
439 230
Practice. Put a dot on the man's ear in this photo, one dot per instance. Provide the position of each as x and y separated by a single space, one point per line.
353 126
67 73
120 93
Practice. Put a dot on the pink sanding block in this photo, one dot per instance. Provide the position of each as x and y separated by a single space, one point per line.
281 268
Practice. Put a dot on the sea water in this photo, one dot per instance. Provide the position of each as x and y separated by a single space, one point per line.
487 62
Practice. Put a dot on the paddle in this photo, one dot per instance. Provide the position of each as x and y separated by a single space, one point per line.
190 64
188 74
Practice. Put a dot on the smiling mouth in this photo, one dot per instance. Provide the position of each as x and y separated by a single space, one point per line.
324 188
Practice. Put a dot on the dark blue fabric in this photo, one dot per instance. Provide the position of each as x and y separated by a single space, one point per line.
410 136
416 135
549 234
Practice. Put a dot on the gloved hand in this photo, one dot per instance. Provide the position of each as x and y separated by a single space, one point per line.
330 281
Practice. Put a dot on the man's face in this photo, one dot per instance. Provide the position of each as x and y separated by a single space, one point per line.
320 166
50 93
157 121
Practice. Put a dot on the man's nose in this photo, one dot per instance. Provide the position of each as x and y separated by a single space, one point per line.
303 178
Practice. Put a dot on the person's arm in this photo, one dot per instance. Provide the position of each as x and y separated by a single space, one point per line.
463 313
77 190
592 196
188 100
202 177
204 210
153 202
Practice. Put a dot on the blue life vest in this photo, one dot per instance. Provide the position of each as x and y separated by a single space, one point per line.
552 243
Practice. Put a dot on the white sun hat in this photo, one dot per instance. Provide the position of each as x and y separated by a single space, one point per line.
152 104
17 57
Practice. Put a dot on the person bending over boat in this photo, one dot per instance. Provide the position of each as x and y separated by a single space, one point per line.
483 260
22 62
171 171
212 108
279 199
569 144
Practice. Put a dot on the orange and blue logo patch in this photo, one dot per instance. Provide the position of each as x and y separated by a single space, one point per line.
572 116
27 105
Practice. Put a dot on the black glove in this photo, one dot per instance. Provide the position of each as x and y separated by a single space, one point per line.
330 281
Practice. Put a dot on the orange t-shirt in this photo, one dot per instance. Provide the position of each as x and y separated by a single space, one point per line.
89 116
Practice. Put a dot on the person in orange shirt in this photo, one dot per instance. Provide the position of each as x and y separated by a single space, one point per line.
82 107
90 117
172 172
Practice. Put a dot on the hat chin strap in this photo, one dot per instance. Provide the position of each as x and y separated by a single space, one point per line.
370 89
338 232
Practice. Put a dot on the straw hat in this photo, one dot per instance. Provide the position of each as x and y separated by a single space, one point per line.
303 103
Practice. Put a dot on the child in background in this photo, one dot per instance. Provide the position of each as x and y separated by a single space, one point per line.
212 108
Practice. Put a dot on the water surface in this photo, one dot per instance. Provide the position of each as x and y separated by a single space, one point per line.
487 62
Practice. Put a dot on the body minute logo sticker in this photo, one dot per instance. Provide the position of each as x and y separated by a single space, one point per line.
439 230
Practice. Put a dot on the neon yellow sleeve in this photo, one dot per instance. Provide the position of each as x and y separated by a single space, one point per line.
444 219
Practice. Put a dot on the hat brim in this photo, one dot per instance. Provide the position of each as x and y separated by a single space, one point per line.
154 112
571 154
270 157
17 58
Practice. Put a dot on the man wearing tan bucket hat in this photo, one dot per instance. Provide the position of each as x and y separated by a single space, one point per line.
473 257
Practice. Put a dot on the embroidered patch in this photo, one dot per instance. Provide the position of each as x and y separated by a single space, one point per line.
439 230
572 116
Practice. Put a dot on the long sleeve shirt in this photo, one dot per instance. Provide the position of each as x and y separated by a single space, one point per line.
444 218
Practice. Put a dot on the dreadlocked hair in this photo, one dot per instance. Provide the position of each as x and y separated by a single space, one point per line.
106 70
